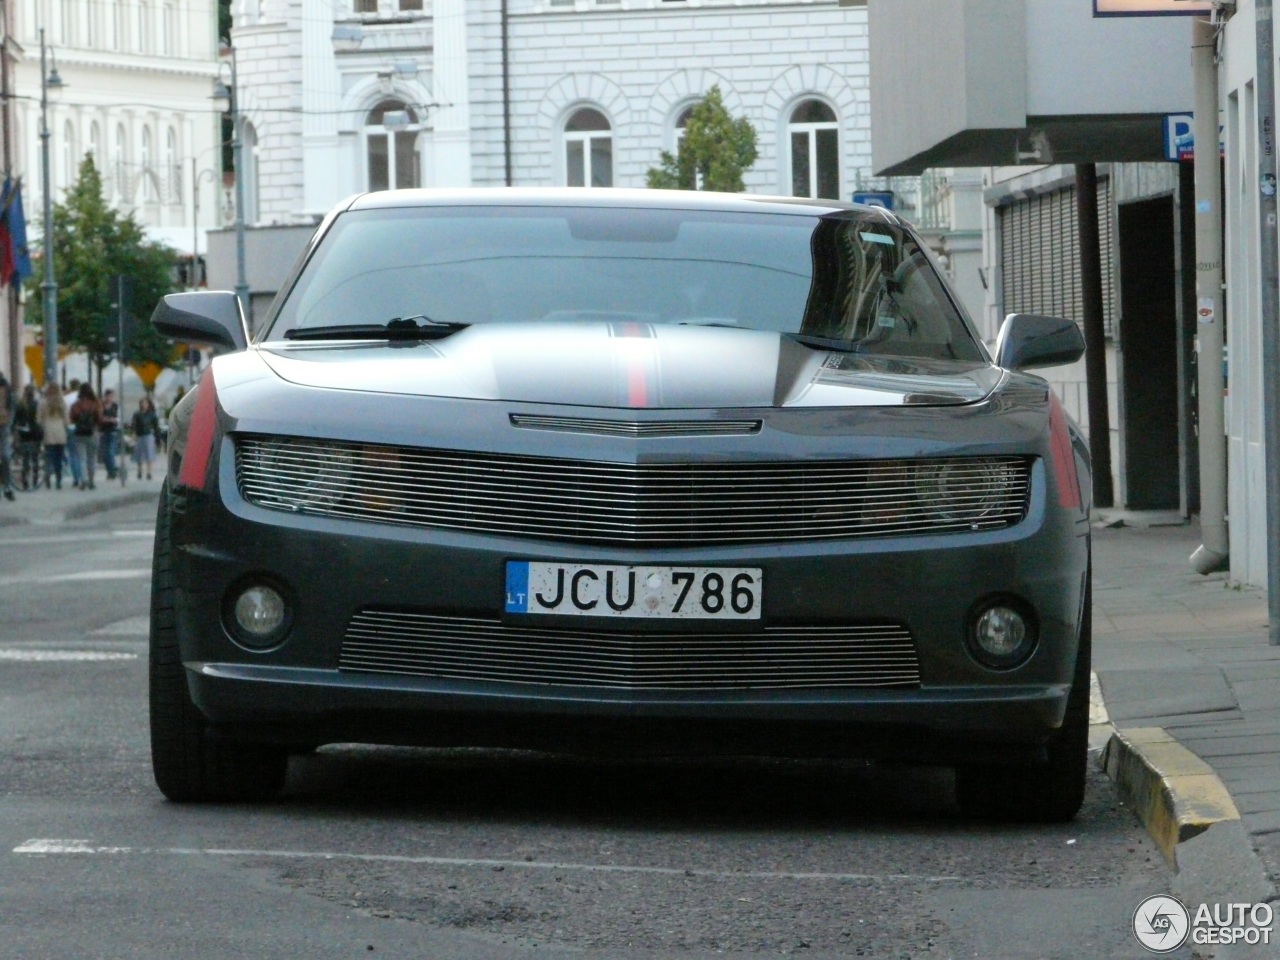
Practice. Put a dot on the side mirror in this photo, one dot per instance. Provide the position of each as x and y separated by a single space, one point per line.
1030 340
211 317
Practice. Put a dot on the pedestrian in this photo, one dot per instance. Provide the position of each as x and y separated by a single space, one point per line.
85 414
73 452
53 421
8 405
109 432
146 427
164 420
29 435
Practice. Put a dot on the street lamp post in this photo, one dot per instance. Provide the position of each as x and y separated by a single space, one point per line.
231 95
196 178
49 288
237 153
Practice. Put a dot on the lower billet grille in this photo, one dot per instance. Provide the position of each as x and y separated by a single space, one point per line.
779 657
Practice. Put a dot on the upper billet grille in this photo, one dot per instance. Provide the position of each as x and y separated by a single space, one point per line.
652 504
644 429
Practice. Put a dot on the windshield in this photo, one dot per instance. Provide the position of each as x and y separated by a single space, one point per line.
839 280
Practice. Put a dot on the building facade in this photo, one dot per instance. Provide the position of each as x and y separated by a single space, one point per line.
368 94
136 78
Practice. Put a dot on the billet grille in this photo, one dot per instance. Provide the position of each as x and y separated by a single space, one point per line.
643 429
780 657
653 504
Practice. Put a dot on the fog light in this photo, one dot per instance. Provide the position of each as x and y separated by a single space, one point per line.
261 615
1002 633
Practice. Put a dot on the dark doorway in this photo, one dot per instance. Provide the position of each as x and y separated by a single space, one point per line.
1149 355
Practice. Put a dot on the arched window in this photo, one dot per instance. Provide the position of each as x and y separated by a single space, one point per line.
70 166
250 160
148 169
815 151
682 123
172 171
120 160
588 149
391 141
95 144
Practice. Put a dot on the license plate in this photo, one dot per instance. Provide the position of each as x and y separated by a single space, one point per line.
600 590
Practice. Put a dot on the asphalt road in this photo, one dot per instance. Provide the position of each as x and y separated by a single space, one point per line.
475 855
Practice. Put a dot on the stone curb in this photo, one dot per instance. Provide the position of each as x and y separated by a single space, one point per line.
1175 793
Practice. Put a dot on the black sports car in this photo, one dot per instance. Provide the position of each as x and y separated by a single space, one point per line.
630 472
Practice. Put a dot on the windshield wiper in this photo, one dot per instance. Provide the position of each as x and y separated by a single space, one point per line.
420 327
828 343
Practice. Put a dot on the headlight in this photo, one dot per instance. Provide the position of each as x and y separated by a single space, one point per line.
310 473
963 489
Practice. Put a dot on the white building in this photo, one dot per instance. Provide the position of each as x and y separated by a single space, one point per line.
535 92
137 78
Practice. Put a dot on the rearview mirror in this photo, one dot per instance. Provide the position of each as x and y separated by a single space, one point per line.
211 316
1030 340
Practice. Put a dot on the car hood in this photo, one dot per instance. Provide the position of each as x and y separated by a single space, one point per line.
628 365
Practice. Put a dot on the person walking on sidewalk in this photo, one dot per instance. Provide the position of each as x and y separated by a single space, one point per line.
8 405
145 426
86 412
53 421
109 432
29 435
73 453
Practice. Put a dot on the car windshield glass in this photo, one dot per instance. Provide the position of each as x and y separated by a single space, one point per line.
840 280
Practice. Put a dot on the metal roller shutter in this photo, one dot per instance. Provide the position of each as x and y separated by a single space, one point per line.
1040 255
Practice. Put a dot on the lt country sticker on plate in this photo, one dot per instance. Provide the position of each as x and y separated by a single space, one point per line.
602 590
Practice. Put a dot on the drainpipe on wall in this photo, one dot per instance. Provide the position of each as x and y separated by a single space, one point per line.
1269 299
1213 554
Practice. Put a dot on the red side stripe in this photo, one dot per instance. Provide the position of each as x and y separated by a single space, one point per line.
1064 460
195 458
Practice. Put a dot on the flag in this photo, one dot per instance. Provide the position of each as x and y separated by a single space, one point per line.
16 221
6 237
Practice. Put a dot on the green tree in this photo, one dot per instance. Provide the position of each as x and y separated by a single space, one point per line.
93 243
714 153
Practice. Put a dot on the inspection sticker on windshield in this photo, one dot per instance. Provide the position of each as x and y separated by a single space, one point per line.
600 590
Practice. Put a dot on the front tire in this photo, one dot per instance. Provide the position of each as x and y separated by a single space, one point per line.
1050 792
189 764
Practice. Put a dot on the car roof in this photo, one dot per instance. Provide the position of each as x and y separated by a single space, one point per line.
609 197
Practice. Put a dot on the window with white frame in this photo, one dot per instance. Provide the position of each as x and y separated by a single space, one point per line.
95 145
172 169
148 169
120 26
120 160
682 124
588 149
815 150
391 147
144 26
168 44
249 158
69 165
91 25
366 6
67 15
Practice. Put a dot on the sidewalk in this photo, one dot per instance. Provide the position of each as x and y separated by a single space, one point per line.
1185 661
42 507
